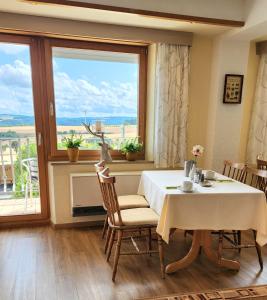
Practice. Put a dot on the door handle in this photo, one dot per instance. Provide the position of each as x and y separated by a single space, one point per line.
39 137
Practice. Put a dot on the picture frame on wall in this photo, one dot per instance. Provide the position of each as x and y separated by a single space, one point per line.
233 85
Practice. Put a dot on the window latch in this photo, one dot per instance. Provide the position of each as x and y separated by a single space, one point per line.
51 109
39 137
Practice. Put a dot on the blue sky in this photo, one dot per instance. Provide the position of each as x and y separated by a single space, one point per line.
96 88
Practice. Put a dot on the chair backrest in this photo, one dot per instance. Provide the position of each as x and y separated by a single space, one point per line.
261 164
100 166
31 165
234 170
256 178
110 197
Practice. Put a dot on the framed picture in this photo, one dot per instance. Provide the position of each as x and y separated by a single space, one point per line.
233 85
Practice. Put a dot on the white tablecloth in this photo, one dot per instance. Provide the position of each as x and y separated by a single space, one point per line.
224 206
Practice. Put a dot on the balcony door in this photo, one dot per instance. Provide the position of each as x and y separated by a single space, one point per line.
22 155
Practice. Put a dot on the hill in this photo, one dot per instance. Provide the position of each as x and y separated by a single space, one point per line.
22 120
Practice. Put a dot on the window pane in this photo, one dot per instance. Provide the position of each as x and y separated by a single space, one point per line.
19 179
92 86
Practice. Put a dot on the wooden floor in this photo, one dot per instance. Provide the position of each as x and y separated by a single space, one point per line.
42 263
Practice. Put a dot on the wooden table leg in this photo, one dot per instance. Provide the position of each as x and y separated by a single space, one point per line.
189 258
201 238
213 256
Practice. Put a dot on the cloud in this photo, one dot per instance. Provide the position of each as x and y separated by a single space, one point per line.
73 96
13 49
16 75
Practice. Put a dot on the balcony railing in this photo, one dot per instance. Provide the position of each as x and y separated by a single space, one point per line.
12 153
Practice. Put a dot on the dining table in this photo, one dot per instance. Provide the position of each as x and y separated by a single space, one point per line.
225 205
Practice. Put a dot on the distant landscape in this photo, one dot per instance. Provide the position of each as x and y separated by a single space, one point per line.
7 120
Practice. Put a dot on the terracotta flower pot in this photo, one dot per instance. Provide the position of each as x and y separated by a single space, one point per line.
131 156
73 154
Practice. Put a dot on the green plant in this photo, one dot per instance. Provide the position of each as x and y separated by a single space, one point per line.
131 146
73 141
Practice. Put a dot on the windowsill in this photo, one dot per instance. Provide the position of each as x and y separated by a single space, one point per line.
90 162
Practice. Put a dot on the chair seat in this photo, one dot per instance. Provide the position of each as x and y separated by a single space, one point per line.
138 216
132 201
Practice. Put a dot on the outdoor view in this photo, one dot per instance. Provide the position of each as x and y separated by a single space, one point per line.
19 184
95 86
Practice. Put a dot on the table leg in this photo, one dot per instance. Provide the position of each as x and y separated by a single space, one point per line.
190 257
201 238
214 256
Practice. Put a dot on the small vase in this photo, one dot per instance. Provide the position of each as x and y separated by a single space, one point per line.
131 156
192 172
73 154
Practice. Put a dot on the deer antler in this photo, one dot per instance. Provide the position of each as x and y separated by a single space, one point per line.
88 128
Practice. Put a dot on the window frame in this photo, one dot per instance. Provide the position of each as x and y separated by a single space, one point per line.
36 60
56 154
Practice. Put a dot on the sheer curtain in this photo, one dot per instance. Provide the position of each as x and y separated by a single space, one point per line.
171 105
257 142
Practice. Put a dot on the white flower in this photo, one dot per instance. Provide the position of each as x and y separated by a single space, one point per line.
197 150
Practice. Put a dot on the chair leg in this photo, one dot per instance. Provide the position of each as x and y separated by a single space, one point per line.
105 226
110 244
161 256
107 240
235 237
239 240
258 248
26 197
149 240
220 246
117 254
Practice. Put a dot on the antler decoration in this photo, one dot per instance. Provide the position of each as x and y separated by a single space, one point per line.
104 154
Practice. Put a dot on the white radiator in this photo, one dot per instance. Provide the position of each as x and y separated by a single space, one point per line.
86 198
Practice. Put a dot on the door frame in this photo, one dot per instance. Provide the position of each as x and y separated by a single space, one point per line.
39 94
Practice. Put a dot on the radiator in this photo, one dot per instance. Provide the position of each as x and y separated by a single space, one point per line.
86 198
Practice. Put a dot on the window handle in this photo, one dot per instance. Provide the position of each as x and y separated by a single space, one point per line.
51 108
39 137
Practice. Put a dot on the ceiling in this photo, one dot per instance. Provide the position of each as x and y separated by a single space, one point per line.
108 17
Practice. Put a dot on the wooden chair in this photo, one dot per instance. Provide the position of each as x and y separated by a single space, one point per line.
261 164
235 171
122 222
257 179
125 201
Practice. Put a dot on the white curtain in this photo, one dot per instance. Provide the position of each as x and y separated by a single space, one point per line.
257 143
171 105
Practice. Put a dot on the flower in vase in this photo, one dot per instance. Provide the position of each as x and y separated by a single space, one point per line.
197 150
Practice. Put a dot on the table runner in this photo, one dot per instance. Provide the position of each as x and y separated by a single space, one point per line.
224 206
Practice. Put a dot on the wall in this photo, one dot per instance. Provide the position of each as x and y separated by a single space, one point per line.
230 56
251 78
199 86
59 181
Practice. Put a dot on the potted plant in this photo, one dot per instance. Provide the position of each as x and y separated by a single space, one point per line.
131 148
72 144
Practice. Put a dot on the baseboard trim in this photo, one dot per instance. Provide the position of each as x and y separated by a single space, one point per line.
30 223
77 224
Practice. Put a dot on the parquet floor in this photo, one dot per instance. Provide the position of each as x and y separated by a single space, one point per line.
68 264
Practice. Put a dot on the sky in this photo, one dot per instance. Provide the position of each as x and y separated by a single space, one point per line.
94 88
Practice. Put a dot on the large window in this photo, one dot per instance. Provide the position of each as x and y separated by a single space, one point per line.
96 83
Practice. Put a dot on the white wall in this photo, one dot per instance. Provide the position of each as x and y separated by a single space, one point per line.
225 120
